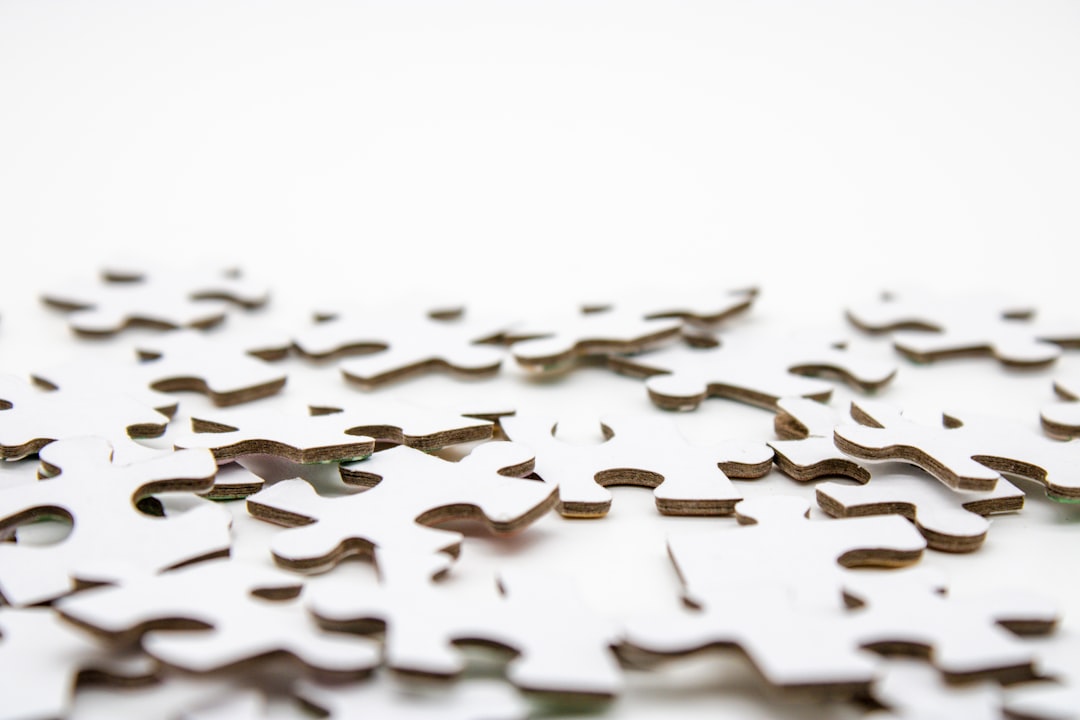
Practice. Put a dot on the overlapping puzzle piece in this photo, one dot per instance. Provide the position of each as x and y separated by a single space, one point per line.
411 491
110 539
292 436
1061 420
396 347
645 450
1057 695
476 699
926 329
701 316
807 451
563 648
167 299
912 690
218 615
43 659
30 419
399 423
757 369
964 453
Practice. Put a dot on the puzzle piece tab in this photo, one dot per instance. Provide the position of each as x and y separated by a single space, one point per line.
644 450
110 539
411 490
401 423
964 453
758 370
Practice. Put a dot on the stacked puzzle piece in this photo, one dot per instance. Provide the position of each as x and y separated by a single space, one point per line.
146 583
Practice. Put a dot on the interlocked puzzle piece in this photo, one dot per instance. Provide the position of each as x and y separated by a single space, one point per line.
950 520
403 346
168 299
411 491
778 545
938 328
1058 696
1062 419
30 419
969 639
965 454
110 539
400 423
43 659
807 451
754 369
645 450
216 365
911 690
232 614
466 700
563 647
578 336
295 437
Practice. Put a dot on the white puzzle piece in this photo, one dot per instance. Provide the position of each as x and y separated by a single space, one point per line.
168 299
400 346
401 423
465 700
1061 420
233 614
757 369
644 450
299 438
1057 696
912 690
31 418
412 490
967 638
950 520
110 539
776 545
701 314
964 453
43 658
926 329
575 336
563 648
807 451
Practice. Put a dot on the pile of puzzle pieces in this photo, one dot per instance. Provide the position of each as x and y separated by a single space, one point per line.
135 467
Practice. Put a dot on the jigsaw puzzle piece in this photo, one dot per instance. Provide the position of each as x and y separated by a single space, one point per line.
1057 697
233 614
965 454
110 539
950 520
1061 420
465 700
400 423
169 299
44 658
298 438
406 345
930 329
807 451
777 545
561 647
578 336
410 491
754 369
687 480
969 639
30 419
698 314
911 690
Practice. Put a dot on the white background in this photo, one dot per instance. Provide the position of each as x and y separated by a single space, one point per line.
514 154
